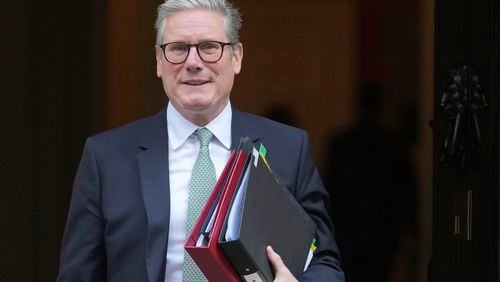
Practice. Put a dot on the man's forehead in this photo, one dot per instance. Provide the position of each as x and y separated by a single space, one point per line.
196 23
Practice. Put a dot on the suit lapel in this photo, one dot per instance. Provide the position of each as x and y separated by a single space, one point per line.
153 169
241 127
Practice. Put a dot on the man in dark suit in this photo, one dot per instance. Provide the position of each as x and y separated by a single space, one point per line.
127 218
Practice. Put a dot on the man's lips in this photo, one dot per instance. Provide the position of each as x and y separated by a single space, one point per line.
195 82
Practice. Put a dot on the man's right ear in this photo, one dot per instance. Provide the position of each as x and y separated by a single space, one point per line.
159 60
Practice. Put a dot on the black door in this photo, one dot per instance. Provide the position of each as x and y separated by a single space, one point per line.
466 135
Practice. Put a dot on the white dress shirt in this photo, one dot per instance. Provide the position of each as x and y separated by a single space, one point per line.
183 147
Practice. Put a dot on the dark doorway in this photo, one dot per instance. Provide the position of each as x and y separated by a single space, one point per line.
465 126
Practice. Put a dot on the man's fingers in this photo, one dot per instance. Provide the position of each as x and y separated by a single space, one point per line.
275 259
282 272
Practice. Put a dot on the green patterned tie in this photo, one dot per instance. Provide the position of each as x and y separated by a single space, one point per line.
202 182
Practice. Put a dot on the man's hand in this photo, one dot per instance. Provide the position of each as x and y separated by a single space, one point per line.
282 272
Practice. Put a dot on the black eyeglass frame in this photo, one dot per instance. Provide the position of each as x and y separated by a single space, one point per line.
190 46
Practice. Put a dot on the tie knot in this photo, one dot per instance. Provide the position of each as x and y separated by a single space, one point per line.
204 135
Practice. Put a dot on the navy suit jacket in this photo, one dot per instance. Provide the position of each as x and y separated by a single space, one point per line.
118 221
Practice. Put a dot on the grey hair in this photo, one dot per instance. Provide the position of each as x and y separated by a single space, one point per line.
232 17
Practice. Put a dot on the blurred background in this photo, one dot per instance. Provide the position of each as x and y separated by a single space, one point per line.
356 74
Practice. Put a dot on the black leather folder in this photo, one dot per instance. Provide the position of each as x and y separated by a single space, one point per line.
270 216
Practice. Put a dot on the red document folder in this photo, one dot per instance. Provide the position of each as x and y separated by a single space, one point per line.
209 257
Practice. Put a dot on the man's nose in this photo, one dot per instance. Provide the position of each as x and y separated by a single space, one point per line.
193 60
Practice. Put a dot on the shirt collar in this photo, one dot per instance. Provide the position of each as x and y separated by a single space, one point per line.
179 128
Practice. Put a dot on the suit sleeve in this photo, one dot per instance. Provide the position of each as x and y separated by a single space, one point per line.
312 196
83 256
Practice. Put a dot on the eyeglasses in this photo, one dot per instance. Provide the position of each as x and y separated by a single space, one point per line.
209 51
